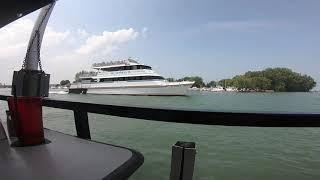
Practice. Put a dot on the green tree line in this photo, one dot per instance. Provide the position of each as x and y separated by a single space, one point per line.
276 79
83 74
65 83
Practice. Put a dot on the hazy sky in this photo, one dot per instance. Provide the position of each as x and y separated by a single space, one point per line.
214 39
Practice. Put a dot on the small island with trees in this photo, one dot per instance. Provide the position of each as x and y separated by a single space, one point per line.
270 79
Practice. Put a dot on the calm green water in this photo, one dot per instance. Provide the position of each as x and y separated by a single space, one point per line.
226 153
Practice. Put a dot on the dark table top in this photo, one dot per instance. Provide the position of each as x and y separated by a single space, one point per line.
67 157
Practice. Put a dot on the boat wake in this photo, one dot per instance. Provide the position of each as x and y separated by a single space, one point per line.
58 92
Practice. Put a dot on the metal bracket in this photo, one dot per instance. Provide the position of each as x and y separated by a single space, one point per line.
183 160
30 83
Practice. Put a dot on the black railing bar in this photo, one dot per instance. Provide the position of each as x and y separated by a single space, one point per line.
193 117
4 97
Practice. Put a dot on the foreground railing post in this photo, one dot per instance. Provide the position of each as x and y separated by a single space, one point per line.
182 160
82 124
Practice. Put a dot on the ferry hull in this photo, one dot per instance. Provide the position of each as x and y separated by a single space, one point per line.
181 90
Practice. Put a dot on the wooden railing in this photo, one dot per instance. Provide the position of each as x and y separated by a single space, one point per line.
82 109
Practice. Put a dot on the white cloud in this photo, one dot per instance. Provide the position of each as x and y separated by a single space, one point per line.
107 42
52 37
63 53
82 33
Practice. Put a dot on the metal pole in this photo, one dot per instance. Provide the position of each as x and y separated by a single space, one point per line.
183 160
33 51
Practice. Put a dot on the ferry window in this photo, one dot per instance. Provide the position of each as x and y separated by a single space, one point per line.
105 79
134 67
156 77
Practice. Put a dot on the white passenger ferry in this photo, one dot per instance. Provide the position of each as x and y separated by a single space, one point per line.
128 77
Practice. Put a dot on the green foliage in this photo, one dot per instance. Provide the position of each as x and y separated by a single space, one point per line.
212 84
84 73
277 79
225 82
64 82
4 85
170 79
198 81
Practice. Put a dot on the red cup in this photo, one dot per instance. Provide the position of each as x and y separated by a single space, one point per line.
27 119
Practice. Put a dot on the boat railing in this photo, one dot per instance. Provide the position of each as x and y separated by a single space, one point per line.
183 153
81 110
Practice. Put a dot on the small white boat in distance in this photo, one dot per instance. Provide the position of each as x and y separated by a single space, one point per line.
218 89
128 77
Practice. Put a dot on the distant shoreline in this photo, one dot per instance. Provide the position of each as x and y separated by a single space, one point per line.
207 90
204 89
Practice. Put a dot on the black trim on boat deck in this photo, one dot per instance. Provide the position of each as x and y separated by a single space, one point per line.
78 91
126 169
